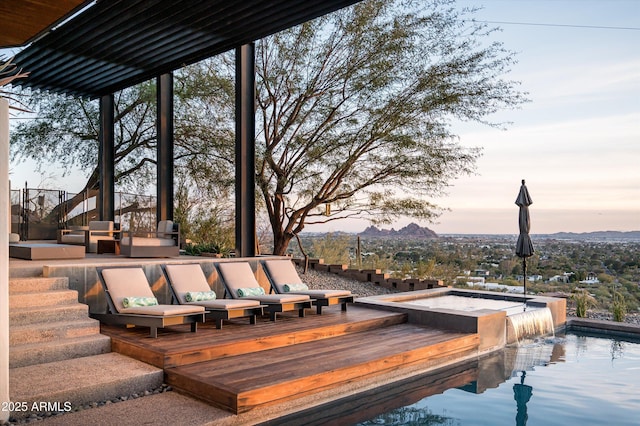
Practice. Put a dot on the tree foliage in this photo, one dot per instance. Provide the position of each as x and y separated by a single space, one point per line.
64 132
355 110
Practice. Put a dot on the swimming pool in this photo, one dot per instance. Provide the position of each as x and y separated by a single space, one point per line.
567 380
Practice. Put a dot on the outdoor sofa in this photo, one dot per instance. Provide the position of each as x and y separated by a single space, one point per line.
164 242
89 236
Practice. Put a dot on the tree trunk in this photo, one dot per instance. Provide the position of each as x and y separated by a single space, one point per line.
281 243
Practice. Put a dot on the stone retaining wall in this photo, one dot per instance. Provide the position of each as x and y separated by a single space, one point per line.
374 276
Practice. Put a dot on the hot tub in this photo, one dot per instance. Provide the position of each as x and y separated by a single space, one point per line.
490 314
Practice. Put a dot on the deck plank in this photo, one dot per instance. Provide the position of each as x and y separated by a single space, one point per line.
243 366
281 374
177 346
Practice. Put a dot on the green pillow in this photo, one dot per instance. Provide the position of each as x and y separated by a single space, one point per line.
131 302
199 296
251 291
295 287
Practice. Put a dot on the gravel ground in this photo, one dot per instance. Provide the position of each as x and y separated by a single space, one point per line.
41 416
600 314
328 281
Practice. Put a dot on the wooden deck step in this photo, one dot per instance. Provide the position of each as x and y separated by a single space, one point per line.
175 346
243 382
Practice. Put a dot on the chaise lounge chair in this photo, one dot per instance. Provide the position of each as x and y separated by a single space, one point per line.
130 301
284 279
189 286
240 283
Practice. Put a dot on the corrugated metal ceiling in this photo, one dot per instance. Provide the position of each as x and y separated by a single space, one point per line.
117 43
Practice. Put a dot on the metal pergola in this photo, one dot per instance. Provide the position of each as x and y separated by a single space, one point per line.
95 48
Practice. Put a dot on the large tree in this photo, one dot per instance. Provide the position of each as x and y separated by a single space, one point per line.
354 114
355 110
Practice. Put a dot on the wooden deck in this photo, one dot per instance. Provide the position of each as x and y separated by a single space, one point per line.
244 366
367 405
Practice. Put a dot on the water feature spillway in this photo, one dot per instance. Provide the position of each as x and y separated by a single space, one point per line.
531 323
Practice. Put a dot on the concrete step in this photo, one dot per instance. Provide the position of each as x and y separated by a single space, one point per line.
49 331
44 314
24 270
58 350
42 299
75 382
166 408
37 284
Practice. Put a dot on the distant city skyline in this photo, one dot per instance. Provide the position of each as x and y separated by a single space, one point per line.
577 143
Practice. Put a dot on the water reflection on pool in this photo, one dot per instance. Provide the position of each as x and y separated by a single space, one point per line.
568 380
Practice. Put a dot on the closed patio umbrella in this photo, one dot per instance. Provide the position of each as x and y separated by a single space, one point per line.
524 246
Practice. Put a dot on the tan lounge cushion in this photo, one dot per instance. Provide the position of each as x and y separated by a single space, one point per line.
165 227
164 310
148 242
186 278
323 294
72 238
227 303
190 277
279 298
101 225
237 275
125 282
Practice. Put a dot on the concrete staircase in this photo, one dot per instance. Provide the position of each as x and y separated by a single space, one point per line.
57 354
48 324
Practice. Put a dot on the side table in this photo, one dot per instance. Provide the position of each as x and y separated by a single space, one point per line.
108 246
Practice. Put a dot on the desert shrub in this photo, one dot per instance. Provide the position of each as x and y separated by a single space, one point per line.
333 248
584 301
618 307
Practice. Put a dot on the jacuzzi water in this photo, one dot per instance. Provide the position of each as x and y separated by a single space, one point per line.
467 304
588 381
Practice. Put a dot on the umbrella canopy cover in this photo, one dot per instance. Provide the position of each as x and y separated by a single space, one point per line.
524 246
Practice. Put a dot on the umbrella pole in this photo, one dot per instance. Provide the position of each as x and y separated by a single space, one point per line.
524 280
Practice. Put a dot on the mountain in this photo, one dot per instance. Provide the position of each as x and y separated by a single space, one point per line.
410 231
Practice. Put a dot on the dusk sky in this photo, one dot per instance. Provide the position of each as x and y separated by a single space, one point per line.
577 143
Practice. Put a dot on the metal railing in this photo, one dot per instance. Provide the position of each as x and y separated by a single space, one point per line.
37 214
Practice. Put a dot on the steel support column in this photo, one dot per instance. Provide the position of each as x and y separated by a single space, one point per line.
245 152
106 157
164 207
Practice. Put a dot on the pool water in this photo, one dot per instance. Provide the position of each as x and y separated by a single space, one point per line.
572 379
466 304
